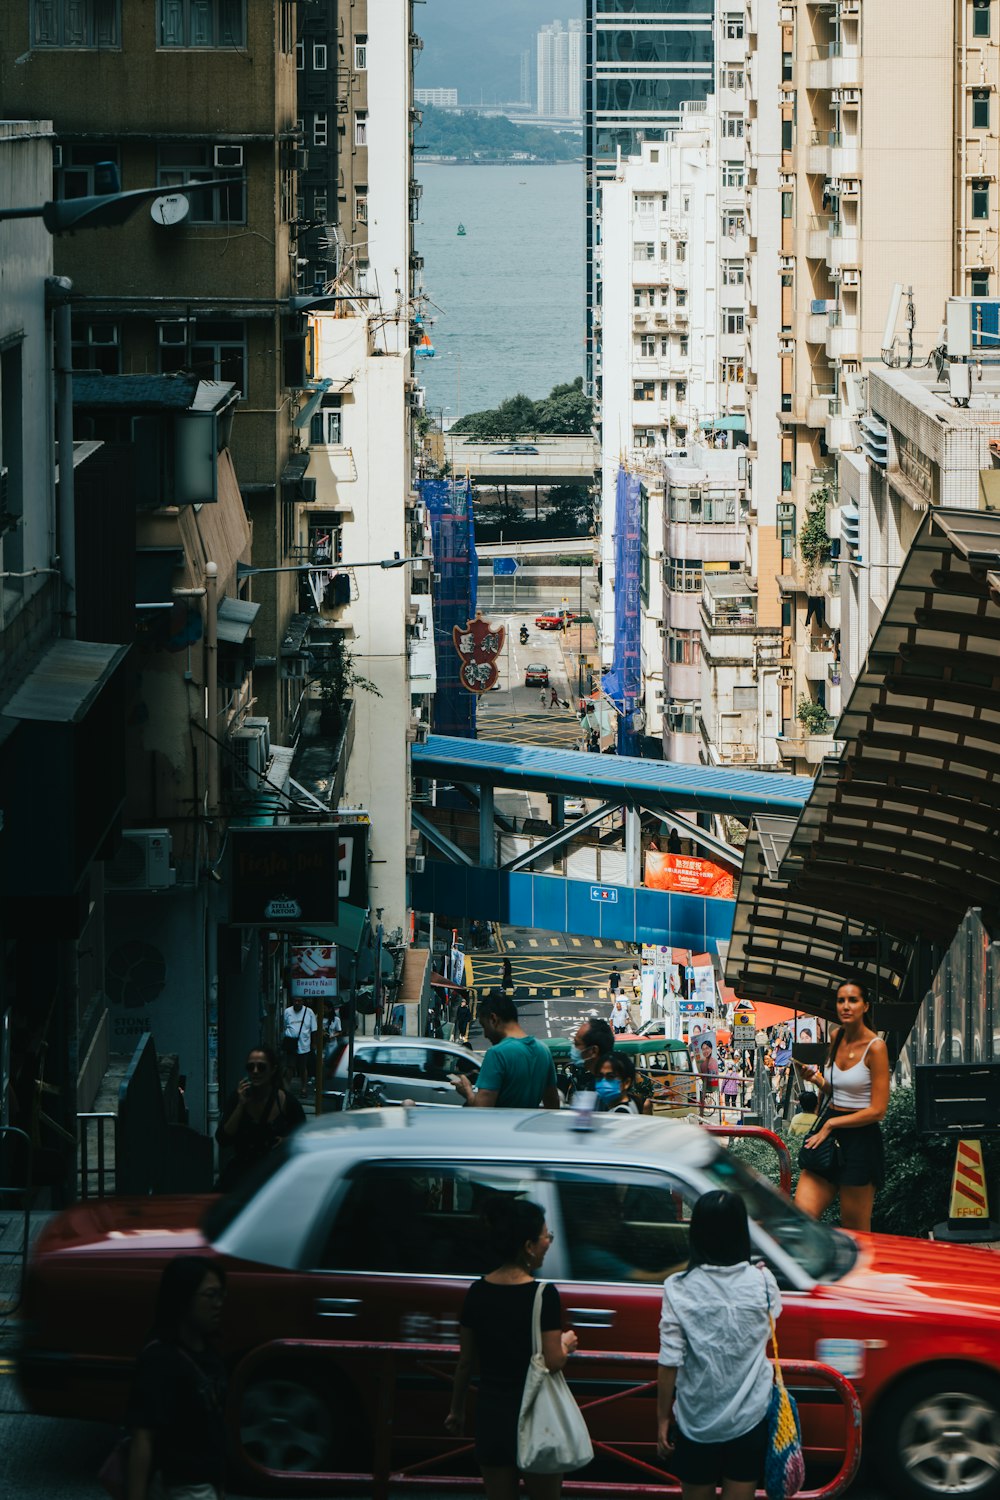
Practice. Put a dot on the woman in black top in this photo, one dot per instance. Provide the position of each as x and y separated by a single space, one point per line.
176 1412
496 1332
257 1117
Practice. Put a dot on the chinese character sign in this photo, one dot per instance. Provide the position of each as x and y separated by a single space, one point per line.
696 877
478 645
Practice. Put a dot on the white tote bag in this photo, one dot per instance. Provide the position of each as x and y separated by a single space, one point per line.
552 1435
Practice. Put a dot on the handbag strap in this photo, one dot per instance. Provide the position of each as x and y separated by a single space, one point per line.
779 1378
536 1319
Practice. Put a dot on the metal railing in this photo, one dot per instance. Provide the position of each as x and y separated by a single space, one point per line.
20 1253
761 1133
435 1361
102 1170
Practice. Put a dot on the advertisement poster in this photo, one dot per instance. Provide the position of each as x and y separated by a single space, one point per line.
693 877
702 982
313 972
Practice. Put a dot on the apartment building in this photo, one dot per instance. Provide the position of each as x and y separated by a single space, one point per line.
559 70
642 64
320 85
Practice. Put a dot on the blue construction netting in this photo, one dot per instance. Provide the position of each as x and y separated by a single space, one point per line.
623 683
449 505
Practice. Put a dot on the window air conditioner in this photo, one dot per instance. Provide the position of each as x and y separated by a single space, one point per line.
142 863
417 864
228 156
249 755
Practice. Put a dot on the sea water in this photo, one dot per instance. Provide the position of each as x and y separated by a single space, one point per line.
509 296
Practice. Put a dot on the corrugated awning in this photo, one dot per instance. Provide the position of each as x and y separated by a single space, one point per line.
235 617
414 986
65 683
736 422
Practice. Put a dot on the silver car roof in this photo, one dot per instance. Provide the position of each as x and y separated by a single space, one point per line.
538 1134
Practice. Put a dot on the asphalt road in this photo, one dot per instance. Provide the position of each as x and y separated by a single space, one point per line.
515 712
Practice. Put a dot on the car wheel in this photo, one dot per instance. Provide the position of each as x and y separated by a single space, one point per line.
939 1435
286 1423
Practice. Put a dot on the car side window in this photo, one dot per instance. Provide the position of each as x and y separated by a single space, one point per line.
418 1218
398 1062
624 1225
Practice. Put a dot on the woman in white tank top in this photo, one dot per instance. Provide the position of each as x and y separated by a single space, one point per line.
857 1089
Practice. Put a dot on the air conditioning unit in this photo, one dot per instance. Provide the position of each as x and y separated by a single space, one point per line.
260 726
142 862
228 156
249 746
300 160
417 864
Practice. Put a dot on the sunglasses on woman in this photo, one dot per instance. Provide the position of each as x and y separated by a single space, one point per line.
257 1067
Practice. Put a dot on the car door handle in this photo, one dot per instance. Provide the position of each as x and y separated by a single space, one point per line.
592 1317
337 1307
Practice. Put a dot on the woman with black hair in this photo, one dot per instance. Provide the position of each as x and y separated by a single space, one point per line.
714 1385
857 1095
258 1115
177 1447
496 1333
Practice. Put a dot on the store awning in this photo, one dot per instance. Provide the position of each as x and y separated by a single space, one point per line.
66 681
414 986
235 617
736 422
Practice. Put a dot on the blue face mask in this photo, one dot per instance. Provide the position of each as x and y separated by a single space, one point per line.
575 1055
608 1088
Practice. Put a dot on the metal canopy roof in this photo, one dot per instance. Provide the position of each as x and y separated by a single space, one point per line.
899 834
646 783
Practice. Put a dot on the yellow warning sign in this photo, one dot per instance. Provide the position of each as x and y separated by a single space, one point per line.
968 1183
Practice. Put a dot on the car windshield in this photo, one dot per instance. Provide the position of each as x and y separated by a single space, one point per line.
221 1212
824 1253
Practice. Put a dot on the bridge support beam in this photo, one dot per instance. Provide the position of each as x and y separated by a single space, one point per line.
633 846
487 832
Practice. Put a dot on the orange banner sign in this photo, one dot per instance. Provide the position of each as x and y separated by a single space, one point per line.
695 877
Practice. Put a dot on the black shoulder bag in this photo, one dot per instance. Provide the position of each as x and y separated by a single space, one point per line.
823 1160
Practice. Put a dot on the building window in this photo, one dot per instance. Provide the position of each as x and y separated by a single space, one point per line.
732 273
731 78
321 129
684 648
732 371
97 346
733 175
704 510
684 343
201 23
681 252
981 17
980 199
326 427
787 134
360 54
644 390
664 296
786 475
647 346
644 204
211 348
981 109
190 163
319 57
734 28
680 296
643 296
682 717
664 344
788 205
664 390
319 205
361 128
300 55
732 127
732 321
733 225
76 177
682 575
643 437
361 205
682 390
979 284
76 23
643 250
787 66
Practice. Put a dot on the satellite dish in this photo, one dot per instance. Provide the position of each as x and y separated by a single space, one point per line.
172 208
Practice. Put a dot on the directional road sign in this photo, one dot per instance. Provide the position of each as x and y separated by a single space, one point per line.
505 567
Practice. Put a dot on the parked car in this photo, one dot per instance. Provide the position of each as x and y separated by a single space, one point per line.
574 807
367 1227
403 1067
536 674
520 448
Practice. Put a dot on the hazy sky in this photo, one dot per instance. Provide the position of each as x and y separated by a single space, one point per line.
476 45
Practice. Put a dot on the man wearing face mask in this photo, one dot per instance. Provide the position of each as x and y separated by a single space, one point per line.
592 1044
517 1071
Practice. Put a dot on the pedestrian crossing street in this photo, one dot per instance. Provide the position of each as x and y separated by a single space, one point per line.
555 728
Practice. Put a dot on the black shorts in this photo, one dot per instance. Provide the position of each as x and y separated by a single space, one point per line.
740 1459
862 1156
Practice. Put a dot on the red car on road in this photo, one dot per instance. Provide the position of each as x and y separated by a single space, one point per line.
556 620
367 1228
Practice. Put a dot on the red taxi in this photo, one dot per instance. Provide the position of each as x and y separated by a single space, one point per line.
367 1227
556 620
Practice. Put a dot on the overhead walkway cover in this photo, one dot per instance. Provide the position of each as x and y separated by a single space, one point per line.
576 773
898 838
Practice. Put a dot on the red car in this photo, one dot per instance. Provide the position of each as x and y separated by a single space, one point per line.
366 1228
556 620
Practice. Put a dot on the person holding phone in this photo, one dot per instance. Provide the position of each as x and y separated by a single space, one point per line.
853 1100
258 1115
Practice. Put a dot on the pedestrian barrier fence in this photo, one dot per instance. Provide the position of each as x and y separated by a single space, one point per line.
102 1170
393 1366
758 1132
15 1143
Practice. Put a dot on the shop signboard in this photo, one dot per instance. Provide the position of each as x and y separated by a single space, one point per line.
282 876
693 877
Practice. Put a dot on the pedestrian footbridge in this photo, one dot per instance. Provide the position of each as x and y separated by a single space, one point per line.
457 880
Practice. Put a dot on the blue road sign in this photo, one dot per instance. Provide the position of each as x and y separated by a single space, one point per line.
604 893
504 567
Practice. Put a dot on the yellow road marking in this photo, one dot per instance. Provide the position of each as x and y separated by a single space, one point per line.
532 990
598 943
511 943
579 994
532 942
556 992
553 942
576 942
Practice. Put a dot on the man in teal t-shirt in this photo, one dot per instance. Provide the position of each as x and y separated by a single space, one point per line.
517 1071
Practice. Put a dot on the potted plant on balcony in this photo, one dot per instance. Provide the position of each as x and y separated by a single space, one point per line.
814 541
813 717
337 681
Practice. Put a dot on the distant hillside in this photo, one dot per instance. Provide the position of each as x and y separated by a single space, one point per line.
475 46
471 136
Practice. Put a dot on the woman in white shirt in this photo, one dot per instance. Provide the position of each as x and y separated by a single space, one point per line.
714 1381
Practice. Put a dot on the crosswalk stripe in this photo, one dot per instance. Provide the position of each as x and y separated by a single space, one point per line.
553 942
511 943
532 942
576 942
598 943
